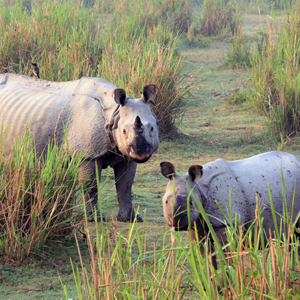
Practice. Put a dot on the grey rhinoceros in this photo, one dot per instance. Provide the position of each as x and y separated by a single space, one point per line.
111 128
247 178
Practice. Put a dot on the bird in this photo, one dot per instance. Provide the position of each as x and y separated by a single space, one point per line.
36 70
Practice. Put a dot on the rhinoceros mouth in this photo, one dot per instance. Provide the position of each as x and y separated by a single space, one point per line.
140 159
140 156
178 225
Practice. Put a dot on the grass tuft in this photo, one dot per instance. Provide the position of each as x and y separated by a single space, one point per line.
239 54
37 198
219 18
276 74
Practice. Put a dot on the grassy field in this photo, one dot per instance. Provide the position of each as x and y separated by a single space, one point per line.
210 128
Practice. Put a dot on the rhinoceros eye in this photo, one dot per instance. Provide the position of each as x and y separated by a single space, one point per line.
166 201
151 129
124 131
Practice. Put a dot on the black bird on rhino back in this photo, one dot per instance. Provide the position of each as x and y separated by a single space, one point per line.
36 70
111 128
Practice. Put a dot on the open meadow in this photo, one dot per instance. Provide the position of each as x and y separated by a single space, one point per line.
214 101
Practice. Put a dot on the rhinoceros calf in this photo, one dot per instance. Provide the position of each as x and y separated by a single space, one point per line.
248 178
111 128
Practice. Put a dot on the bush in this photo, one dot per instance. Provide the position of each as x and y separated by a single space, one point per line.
276 75
37 198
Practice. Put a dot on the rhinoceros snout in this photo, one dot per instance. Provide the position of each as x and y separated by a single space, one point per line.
177 218
140 153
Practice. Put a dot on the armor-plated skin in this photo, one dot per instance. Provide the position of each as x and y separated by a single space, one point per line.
247 178
110 128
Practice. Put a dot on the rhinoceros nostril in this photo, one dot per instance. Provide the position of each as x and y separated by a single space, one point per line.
149 149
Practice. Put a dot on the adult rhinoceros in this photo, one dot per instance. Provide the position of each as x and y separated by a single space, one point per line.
110 127
247 178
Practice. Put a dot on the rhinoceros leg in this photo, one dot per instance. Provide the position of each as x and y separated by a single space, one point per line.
202 230
124 175
88 170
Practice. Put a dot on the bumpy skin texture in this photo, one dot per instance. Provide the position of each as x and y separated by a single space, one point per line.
247 178
110 128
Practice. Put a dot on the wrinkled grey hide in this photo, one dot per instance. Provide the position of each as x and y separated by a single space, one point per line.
247 178
111 128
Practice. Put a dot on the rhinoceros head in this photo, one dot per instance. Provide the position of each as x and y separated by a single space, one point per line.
180 190
136 133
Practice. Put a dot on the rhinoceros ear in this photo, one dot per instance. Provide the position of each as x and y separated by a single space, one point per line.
120 96
195 172
149 93
167 169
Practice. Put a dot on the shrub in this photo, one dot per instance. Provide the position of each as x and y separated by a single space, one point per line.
276 74
37 198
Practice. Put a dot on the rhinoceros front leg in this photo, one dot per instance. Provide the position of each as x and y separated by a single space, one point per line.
124 175
202 232
88 172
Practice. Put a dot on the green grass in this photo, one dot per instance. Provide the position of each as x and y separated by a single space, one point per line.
38 198
126 264
219 18
276 74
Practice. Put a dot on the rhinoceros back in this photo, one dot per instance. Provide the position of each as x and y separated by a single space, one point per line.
35 103
50 108
273 168
216 183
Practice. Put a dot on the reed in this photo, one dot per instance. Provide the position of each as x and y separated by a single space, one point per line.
124 266
129 43
276 74
220 18
37 198
239 53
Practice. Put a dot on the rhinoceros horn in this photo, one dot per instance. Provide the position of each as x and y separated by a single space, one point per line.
138 124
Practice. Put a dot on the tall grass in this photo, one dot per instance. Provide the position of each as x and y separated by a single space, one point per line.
276 74
61 36
265 6
220 17
239 53
129 43
124 266
37 198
